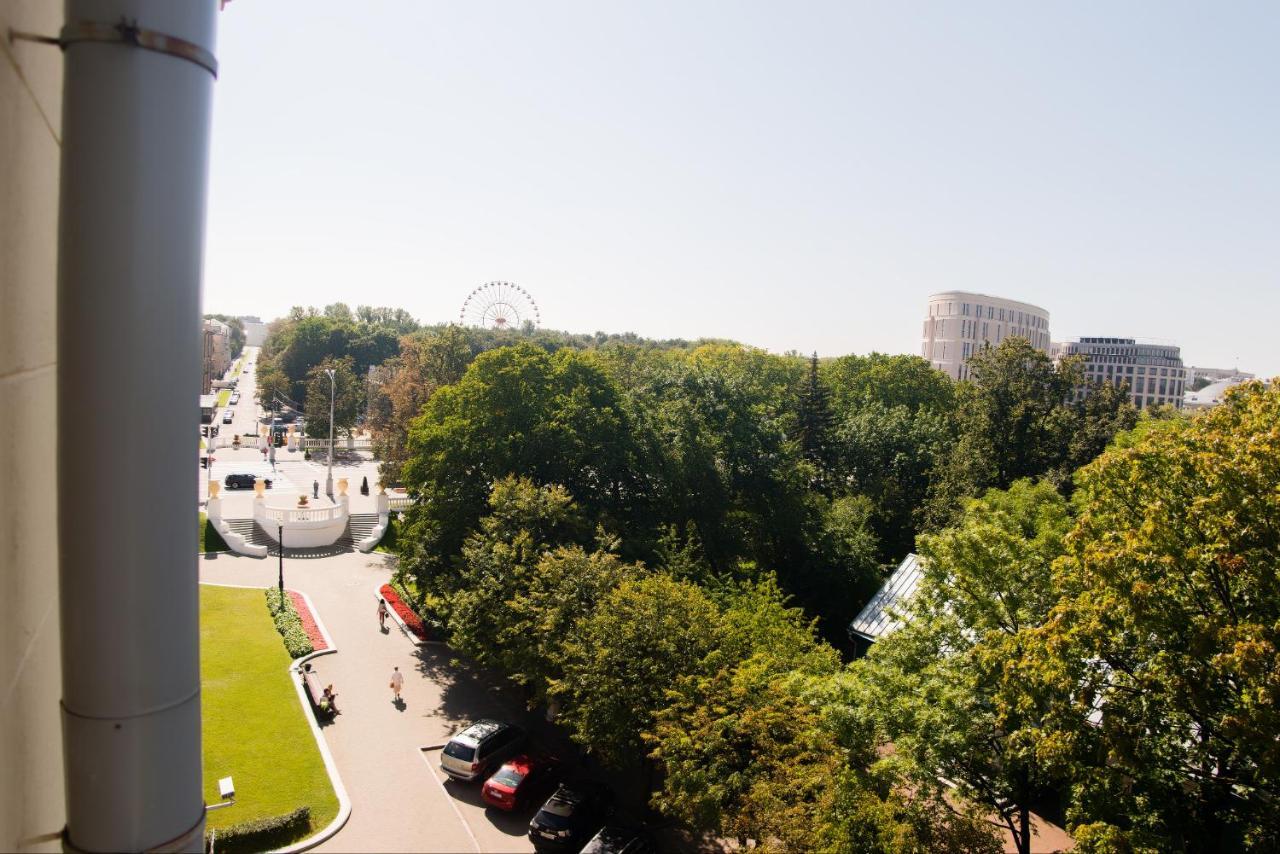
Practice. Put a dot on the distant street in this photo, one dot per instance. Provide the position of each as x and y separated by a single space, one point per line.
291 473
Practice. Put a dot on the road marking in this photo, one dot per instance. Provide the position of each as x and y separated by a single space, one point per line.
422 751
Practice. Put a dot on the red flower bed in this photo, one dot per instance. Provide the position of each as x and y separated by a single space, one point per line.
405 613
308 621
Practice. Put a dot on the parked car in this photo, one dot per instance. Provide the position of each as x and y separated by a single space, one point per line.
243 481
522 780
615 839
571 816
235 398
228 416
479 749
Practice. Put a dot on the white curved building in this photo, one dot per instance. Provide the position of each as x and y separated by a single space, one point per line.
959 323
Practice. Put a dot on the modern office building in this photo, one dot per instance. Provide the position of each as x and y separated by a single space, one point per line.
1154 372
959 323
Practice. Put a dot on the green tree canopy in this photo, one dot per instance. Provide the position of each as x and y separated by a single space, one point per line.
345 389
555 419
944 687
1172 623
619 659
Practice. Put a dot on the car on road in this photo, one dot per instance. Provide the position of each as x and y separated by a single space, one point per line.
615 839
522 780
479 749
570 817
228 416
235 398
240 480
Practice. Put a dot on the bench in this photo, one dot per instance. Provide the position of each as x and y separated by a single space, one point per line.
315 692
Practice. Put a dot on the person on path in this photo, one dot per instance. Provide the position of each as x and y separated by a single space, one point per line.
315 489
382 614
397 682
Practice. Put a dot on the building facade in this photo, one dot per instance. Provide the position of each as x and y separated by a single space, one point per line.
32 792
1213 375
959 323
1154 372
216 353
255 331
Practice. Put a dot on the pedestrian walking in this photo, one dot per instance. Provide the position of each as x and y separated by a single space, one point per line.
382 614
397 682
315 489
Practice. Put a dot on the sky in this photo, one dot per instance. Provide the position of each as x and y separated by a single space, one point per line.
794 176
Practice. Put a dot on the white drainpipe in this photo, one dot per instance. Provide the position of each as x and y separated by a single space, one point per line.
138 89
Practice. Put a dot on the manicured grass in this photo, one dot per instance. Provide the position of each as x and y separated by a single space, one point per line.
210 539
223 397
254 727
391 537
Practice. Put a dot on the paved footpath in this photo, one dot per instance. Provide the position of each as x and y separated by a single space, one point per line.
398 802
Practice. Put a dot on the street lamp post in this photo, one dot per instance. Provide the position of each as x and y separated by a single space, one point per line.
328 480
280 552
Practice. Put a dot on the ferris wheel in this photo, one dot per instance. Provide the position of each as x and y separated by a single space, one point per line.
499 305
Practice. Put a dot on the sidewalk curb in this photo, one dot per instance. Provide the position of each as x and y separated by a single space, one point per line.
344 801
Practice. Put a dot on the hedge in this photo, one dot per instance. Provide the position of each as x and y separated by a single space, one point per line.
288 624
264 834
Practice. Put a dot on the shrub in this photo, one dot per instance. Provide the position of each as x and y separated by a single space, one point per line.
264 834
296 642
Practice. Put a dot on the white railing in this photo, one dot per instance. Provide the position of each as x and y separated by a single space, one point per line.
399 502
338 444
302 514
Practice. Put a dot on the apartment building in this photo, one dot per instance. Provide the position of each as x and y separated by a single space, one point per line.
1154 372
959 323
216 353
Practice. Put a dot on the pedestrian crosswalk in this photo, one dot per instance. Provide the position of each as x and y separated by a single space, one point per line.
279 476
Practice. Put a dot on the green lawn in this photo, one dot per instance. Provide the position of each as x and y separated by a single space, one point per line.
210 540
391 538
254 727
223 397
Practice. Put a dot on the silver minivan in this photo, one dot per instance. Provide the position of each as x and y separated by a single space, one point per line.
479 749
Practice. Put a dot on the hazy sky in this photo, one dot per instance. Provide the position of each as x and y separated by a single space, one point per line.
790 175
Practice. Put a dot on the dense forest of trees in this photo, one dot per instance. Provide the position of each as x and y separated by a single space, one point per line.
666 541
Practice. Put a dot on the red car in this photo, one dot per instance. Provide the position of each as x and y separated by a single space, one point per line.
519 782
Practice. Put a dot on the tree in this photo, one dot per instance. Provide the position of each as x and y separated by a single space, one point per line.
620 658
745 756
813 425
518 410
346 397
890 381
1020 416
427 361
948 691
889 454
1174 609
567 584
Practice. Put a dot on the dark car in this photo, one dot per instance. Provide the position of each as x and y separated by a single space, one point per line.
613 839
524 779
570 817
243 481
